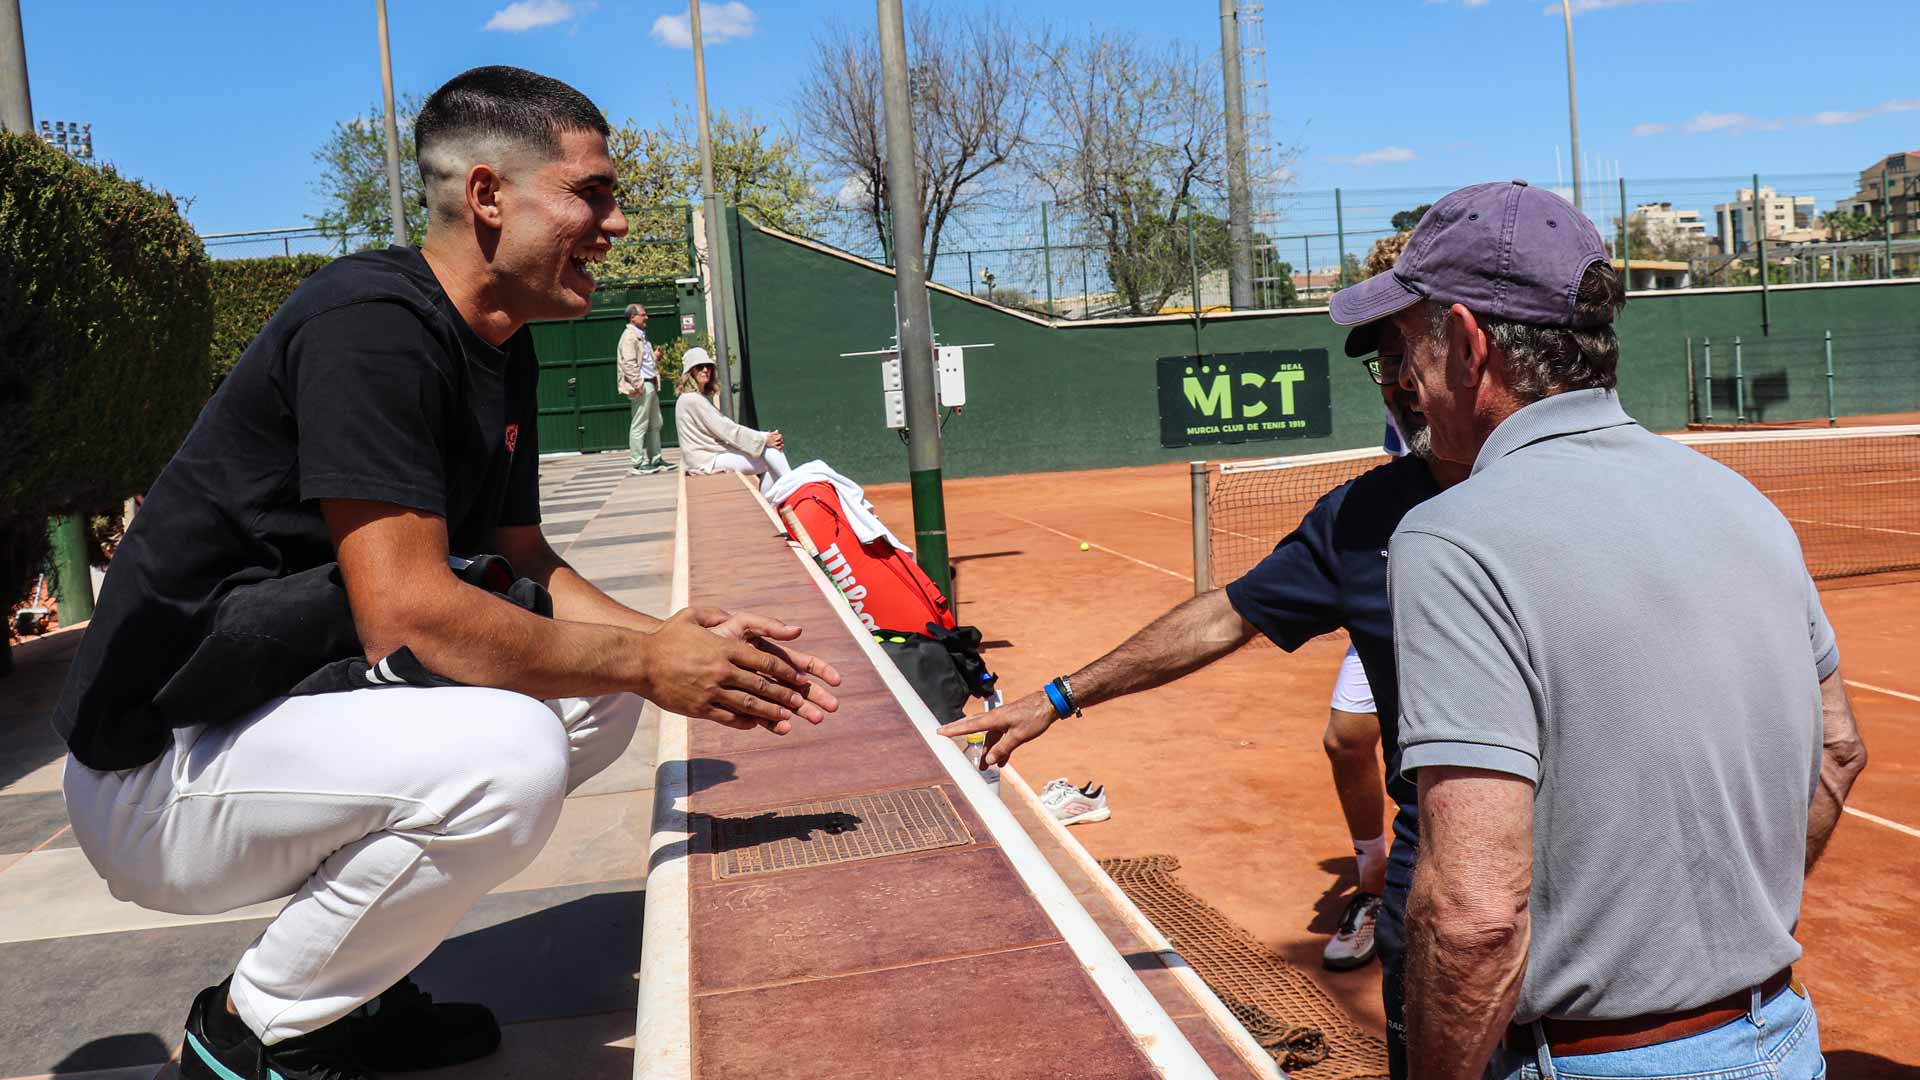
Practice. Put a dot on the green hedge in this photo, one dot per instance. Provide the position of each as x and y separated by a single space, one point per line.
246 293
103 343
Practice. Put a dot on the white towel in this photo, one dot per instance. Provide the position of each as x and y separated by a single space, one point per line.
853 501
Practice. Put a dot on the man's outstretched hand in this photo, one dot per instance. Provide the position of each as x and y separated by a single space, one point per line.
733 669
1007 727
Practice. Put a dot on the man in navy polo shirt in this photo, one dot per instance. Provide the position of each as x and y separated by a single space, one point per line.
1329 574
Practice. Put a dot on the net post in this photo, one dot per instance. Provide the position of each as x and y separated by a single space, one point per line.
1197 474
1832 418
1739 385
1706 376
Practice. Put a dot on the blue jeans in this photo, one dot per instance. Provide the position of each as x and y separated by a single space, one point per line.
1776 1040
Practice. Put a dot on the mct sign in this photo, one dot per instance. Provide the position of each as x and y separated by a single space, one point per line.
1244 397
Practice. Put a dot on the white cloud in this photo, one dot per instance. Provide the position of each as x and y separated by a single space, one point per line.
523 15
1828 119
1583 7
719 24
1386 155
1740 123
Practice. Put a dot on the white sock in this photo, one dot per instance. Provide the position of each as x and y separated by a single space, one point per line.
1373 855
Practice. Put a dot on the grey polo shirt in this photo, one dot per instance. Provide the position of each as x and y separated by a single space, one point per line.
1628 625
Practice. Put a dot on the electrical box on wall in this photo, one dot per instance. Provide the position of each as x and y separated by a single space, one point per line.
896 408
950 375
890 374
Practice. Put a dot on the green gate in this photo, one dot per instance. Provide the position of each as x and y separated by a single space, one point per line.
581 407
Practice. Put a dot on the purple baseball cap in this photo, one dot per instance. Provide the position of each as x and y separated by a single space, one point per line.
1507 250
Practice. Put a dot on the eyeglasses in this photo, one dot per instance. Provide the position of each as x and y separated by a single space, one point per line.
1384 369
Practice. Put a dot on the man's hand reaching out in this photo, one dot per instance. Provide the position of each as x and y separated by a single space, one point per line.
714 665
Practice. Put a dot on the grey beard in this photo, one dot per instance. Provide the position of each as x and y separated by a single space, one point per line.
1420 444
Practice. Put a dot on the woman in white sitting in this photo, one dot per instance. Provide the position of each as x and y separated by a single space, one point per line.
709 442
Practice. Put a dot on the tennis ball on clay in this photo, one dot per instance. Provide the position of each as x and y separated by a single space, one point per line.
1084 546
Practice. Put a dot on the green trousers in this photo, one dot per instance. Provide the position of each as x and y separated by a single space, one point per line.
643 435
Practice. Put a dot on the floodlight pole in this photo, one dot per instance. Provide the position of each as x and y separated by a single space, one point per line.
396 192
1573 103
721 298
1239 197
910 295
16 100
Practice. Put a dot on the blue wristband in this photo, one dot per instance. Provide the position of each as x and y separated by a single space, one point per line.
1060 706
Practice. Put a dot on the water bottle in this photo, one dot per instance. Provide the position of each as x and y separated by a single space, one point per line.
976 751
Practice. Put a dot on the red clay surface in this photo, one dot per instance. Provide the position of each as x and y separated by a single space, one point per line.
931 963
1225 768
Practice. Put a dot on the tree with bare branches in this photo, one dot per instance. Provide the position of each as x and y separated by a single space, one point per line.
974 101
1135 133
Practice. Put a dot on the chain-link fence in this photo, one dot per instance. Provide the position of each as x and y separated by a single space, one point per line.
659 243
1117 259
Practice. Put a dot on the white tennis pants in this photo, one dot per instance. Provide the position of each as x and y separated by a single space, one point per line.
769 465
384 813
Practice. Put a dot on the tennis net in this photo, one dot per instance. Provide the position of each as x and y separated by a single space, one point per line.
1852 494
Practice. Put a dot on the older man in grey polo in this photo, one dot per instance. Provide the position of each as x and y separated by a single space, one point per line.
1620 697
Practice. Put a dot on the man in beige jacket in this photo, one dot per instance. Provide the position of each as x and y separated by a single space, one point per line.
639 379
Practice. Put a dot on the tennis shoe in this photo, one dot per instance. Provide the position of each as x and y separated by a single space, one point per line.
220 1047
1352 945
1071 805
405 1029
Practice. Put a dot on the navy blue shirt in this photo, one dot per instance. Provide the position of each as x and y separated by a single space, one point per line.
1330 573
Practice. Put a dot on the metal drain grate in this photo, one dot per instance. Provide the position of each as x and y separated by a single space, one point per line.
1306 1031
836 831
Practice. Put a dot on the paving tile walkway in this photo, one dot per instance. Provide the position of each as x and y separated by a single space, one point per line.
95 989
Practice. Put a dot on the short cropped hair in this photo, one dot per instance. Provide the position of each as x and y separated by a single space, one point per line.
499 105
1545 360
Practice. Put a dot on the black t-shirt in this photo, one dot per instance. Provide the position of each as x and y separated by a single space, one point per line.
1331 572
366 384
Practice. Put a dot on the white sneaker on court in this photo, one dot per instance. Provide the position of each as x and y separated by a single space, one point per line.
1071 805
1352 944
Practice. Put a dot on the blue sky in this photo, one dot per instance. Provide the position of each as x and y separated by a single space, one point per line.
225 101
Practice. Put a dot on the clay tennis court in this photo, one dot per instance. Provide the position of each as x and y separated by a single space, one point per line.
1225 770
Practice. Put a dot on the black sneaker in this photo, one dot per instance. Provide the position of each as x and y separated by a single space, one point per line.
405 1029
219 1047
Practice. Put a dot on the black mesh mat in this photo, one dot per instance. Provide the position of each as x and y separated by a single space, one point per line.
1306 1031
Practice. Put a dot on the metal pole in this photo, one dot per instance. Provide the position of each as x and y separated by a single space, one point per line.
722 305
1886 214
1706 377
1202 529
1573 103
396 195
910 285
1340 231
16 96
1693 399
969 271
1832 417
71 581
1046 256
1760 237
1626 239
1239 193
1086 290
1739 385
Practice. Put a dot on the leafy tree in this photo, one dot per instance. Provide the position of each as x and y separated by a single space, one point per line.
762 172
1405 220
1844 226
353 178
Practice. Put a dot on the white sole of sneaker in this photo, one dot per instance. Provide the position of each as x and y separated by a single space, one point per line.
1101 814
